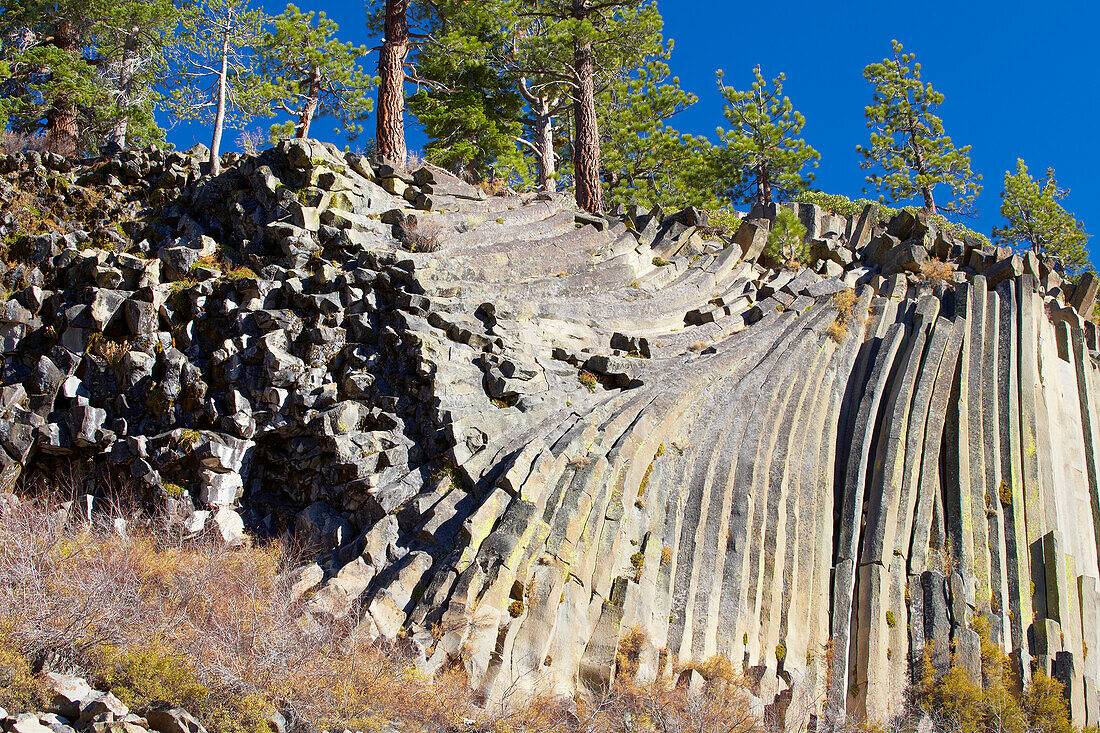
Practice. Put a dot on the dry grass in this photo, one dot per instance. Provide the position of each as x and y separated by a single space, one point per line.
16 142
160 619
417 237
110 351
937 272
845 303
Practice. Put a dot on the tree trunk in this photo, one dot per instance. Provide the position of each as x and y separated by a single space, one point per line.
763 185
586 148
121 129
219 118
390 134
305 119
62 125
544 141
929 201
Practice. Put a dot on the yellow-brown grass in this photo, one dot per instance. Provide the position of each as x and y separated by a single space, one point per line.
160 620
845 304
937 272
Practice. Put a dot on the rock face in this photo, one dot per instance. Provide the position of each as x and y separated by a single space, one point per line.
525 432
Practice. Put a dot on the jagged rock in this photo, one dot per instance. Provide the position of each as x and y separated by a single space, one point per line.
173 720
752 238
67 693
320 526
230 526
24 724
98 703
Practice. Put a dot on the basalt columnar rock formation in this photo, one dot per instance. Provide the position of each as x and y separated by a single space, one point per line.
516 434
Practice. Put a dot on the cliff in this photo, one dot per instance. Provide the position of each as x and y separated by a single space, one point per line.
517 433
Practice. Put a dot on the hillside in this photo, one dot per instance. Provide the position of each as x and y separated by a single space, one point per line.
516 434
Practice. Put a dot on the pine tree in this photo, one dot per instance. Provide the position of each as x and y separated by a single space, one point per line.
216 80
559 56
764 143
81 72
140 34
467 100
908 142
311 73
1037 220
644 160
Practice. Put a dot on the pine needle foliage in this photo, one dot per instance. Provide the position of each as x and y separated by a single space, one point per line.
910 153
1036 219
765 155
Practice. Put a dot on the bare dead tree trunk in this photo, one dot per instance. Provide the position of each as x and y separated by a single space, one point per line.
586 148
312 102
127 70
62 125
219 118
543 124
548 169
390 131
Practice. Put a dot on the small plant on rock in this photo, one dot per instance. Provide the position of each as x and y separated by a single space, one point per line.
845 303
937 272
515 609
588 380
785 240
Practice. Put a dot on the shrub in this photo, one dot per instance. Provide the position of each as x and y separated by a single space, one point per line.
20 690
193 622
841 205
785 239
629 652
588 380
845 304
955 702
937 272
721 223
661 262
717 667
515 609
417 237
891 622
110 351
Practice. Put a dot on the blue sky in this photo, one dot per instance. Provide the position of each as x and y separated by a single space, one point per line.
1020 79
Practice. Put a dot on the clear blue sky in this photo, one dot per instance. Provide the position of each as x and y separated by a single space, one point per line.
1020 79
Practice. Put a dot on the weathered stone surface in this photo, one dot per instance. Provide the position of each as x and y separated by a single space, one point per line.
538 436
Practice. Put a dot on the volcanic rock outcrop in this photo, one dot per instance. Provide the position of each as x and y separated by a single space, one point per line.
516 434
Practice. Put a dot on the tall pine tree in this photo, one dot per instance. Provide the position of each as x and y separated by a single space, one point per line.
81 72
646 161
910 153
216 80
310 73
764 155
1036 219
